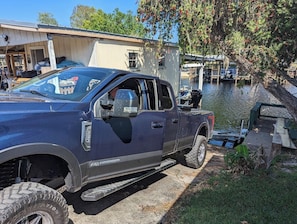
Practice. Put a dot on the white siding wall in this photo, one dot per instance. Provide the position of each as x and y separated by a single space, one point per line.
115 54
171 70
74 48
100 53
19 37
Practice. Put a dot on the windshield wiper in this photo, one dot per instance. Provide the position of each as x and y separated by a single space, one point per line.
33 92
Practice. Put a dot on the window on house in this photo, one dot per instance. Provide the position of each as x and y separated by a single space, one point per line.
162 59
133 60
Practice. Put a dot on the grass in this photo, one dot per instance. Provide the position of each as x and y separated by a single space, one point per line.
261 197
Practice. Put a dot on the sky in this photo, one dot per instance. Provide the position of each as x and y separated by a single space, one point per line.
27 11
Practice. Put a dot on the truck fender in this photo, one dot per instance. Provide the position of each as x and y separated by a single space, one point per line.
73 181
203 129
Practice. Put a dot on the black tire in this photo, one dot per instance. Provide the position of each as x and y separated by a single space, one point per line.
196 157
28 202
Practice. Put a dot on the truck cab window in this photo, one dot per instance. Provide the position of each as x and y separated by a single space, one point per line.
133 84
151 94
166 101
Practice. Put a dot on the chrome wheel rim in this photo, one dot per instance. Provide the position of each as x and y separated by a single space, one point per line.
201 153
38 217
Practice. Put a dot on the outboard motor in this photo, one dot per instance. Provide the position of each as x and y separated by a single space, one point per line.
185 96
196 96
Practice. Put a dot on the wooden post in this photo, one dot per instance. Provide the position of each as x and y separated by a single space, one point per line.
200 84
7 59
25 62
51 52
218 75
12 65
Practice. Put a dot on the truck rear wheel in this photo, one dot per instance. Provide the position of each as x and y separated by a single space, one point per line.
195 158
30 202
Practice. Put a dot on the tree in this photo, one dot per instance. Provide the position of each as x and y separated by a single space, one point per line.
115 22
81 13
259 35
98 21
47 18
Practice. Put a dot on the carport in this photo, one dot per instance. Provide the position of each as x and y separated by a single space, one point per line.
15 37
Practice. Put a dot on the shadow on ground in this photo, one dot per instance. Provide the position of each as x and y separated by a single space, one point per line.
150 201
93 208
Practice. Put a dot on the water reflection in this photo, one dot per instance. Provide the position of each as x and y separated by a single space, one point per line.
230 103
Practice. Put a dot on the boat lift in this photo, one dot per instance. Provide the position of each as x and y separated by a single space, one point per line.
229 139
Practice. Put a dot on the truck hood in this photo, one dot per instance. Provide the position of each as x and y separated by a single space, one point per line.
20 97
10 101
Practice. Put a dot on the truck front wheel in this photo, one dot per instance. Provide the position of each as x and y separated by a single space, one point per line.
30 202
195 158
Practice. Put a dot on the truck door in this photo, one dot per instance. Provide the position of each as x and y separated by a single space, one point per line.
127 144
172 121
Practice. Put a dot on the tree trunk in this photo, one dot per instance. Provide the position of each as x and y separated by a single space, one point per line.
285 97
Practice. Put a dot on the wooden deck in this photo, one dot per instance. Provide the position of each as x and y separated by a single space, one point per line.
236 79
281 135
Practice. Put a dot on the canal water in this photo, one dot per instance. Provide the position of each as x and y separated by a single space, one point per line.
230 103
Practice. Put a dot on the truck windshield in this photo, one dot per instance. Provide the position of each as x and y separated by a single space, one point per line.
69 84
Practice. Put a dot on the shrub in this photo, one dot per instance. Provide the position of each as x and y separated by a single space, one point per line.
240 160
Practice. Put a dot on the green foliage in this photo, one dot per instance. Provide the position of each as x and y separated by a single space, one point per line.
284 31
261 32
239 160
97 21
81 13
237 41
115 22
47 18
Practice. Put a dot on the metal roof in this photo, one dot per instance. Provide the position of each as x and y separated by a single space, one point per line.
46 28
200 58
18 23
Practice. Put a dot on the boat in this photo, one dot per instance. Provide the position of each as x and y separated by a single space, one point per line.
228 75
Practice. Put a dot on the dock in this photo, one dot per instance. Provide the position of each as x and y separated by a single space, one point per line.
236 79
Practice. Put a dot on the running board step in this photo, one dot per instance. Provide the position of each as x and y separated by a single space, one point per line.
97 193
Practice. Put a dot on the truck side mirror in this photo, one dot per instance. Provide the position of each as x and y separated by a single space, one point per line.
126 103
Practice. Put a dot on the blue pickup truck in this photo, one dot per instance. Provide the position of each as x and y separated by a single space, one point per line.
64 129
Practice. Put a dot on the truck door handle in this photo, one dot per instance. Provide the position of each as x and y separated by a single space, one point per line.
174 121
157 125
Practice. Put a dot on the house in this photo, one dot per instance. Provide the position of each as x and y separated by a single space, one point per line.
26 44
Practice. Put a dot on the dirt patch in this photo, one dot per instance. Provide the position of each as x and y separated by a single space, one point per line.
150 201
214 166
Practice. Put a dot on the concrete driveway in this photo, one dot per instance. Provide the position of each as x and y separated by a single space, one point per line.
145 202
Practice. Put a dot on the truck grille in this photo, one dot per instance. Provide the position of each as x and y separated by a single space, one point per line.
7 174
